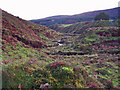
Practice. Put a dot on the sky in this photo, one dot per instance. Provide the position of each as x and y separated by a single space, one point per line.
37 9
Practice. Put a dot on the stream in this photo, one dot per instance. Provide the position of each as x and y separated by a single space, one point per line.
59 43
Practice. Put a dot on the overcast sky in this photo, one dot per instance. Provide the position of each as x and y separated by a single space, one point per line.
36 9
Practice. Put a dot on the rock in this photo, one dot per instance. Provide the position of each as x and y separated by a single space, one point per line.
47 85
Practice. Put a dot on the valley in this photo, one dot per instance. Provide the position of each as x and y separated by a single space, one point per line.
80 55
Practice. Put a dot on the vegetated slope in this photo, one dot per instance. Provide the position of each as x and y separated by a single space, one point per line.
78 28
69 19
102 46
99 39
20 30
19 35
22 42
102 40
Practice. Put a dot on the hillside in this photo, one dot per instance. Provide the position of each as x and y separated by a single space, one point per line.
69 19
22 42
24 31
80 27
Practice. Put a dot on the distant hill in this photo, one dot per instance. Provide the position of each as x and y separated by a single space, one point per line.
69 19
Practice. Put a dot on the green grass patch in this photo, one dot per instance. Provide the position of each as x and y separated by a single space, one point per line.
90 39
65 25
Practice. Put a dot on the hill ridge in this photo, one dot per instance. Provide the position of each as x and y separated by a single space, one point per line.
68 19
